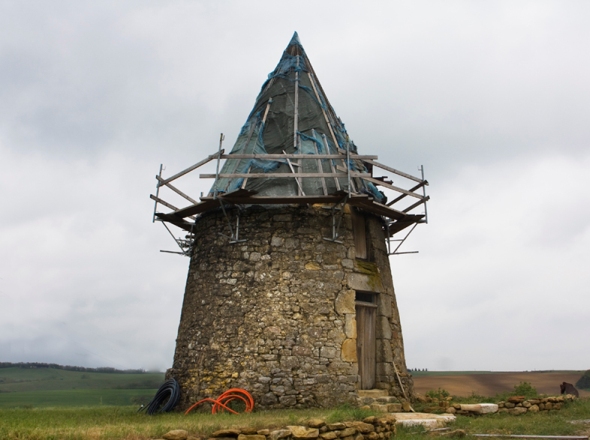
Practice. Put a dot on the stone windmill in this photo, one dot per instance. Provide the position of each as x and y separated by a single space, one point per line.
289 292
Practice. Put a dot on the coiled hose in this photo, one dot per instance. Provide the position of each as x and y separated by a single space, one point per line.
165 399
221 403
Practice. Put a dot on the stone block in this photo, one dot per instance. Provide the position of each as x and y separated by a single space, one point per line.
316 423
349 350
350 325
176 434
336 426
394 407
311 265
279 434
345 302
328 352
378 407
251 437
303 432
346 432
360 281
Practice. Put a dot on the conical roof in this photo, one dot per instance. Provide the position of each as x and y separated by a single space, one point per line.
292 115
293 149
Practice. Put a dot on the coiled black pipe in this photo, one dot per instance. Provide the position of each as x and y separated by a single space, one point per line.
165 399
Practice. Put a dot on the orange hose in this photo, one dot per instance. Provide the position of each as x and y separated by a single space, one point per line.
221 403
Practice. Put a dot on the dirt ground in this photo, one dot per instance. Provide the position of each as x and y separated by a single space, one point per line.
490 384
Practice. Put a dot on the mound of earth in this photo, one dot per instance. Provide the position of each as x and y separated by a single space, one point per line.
584 382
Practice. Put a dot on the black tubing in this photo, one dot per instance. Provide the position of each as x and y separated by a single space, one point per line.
165 399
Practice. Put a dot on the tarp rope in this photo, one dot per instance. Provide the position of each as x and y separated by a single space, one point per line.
165 399
222 402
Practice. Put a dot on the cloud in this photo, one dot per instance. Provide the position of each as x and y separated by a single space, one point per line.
492 98
501 273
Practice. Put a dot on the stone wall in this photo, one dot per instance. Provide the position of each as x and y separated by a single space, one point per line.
371 428
515 405
276 314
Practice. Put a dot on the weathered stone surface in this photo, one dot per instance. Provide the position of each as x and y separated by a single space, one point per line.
345 302
276 314
176 434
264 432
350 326
362 427
348 352
279 434
336 426
480 408
534 408
347 432
330 435
394 407
316 423
379 407
303 432
517 411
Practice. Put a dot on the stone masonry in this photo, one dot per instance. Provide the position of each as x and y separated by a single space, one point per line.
275 314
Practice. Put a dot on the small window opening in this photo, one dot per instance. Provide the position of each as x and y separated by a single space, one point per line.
365 297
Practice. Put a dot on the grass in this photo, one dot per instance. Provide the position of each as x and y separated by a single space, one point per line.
53 398
111 423
541 423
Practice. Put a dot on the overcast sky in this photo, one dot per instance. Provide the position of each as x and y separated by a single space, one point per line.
493 98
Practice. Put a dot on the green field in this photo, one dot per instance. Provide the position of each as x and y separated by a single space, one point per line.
49 387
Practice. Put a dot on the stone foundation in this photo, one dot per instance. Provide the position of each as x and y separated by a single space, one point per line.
275 314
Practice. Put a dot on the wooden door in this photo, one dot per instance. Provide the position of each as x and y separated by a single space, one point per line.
365 343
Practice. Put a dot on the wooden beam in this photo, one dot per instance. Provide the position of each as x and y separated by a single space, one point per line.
162 202
395 188
177 191
414 188
294 156
418 203
274 200
286 176
393 170
191 168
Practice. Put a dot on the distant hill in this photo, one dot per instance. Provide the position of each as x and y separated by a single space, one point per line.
32 365
39 384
